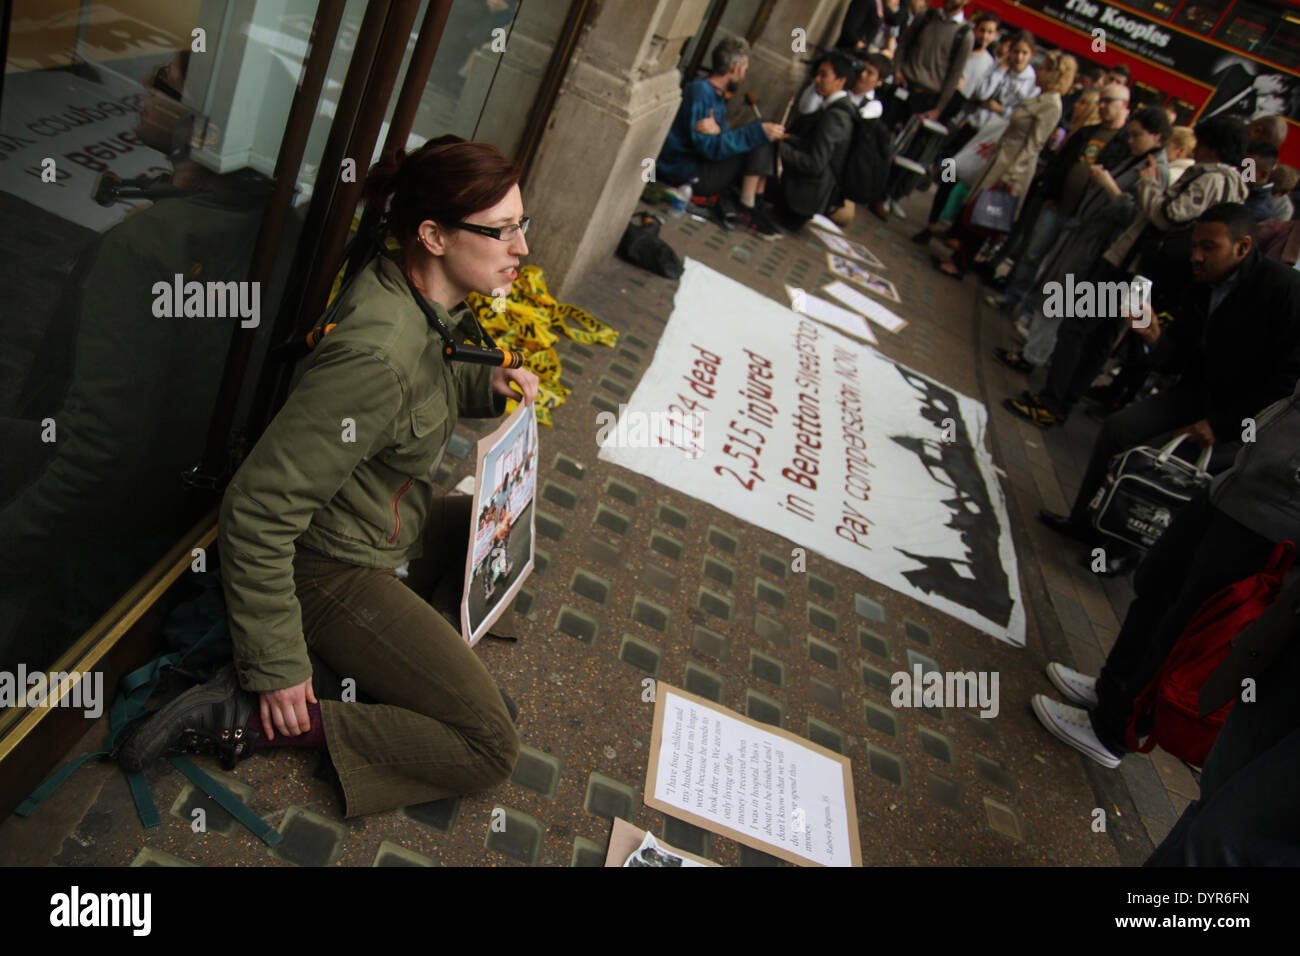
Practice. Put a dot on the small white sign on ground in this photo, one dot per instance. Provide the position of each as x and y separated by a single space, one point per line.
757 784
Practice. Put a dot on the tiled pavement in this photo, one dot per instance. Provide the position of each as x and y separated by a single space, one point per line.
635 580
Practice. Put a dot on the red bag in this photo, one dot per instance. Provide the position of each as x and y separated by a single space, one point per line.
1172 697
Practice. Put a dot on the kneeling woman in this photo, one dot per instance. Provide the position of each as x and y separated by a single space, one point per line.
338 494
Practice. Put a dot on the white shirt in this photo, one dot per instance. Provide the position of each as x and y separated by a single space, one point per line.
1009 89
978 65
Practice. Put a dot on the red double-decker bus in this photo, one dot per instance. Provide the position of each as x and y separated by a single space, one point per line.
1203 57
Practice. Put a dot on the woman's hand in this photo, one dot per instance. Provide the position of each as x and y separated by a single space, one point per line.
524 378
1151 170
285 710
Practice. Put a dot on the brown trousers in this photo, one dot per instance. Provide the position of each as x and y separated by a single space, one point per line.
439 727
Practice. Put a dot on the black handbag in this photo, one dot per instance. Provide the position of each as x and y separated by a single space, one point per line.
1144 487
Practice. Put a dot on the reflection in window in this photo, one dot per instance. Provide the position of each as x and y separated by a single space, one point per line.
1200 16
488 71
124 266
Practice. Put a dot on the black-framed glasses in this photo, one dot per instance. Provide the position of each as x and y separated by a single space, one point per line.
162 86
504 233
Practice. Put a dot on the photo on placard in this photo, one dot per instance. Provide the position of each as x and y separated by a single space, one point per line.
848 269
501 550
847 247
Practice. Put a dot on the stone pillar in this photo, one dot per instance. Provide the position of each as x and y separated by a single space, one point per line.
776 70
612 113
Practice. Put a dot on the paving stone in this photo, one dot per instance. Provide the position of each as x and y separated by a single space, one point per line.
751 857
828 695
994 772
665 545
524 602
1147 790
771 630
150 856
772 564
873 642
686 836
1175 776
821 587
944 792
714 603
541 561
570 466
703 683
622 370
587 853
618 388
598 550
709 642
769 594
936 745
723 541
917 632
635 342
982 727
537 771
928 664
884 764
824 735
573 366
607 797
573 622
439 814
641 654
615 521
1071 615
821 618
604 404
214 817
764 709
719 571
877 679
880 719
557 494
309 839
868 608
590 586
1002 818
442 474
624 493
660 579
515 834
458 446
766 668
647 612
548 526
391 854
823 653
671 517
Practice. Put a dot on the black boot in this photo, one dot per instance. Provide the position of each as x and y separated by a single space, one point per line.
211 718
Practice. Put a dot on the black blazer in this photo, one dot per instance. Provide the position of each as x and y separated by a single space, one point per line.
814 154
1244 356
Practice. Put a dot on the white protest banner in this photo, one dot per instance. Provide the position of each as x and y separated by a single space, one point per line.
837 317
800 430
755 783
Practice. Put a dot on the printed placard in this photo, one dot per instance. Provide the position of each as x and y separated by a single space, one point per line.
758 784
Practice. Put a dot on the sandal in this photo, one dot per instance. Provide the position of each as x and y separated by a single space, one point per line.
1035 411
1013 360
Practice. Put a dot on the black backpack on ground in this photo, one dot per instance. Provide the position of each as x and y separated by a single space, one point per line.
642 247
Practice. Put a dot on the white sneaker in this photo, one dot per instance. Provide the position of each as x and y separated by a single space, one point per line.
896 208
1072 726
1077 688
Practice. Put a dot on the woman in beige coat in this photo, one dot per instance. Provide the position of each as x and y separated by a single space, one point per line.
1015 162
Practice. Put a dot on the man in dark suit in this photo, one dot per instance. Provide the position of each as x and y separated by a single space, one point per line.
1236 345
816 145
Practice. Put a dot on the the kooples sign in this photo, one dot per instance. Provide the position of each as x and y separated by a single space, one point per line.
1132 27
1127 31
